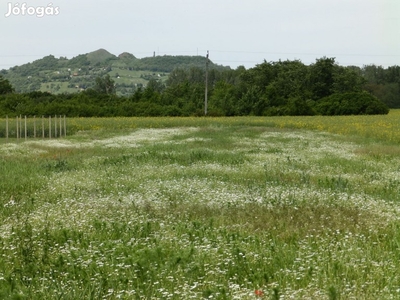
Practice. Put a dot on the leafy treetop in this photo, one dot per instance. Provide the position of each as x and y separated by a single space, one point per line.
5 86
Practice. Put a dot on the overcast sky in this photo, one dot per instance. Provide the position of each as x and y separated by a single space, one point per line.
236 32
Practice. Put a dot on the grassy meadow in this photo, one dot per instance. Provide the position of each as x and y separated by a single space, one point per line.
203 208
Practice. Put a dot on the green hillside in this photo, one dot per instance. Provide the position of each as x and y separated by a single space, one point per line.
62 75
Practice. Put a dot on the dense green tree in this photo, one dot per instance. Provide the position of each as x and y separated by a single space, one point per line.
197 75
299 107
251 102
105 85
177 76
261 75
155 86
374 74
5 86
12 104
322 77
383 83
222 100
291 81
152 92
347 80
388 93
392 74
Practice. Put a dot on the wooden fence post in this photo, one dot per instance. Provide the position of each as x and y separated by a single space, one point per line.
20 126
17 131
26 132
34 126
7 129
60 126
42 126
49 127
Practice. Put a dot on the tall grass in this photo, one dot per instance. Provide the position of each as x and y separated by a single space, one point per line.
199 209
383 127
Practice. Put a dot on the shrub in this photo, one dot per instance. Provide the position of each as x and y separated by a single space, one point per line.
354 103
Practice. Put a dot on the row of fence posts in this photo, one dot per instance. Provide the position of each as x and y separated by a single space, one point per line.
21 130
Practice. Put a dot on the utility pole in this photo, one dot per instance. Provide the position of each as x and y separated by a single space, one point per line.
206 93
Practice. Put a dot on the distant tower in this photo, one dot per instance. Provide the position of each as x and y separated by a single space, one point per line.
154 53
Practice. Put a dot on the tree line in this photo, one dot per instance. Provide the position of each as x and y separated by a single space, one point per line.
268 89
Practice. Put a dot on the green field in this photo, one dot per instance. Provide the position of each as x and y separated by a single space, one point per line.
203 208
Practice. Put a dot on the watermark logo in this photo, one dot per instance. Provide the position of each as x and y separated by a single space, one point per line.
24 9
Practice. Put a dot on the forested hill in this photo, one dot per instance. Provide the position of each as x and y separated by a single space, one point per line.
60 75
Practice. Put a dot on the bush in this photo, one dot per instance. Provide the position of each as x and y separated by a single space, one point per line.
298 107
172 111
354 103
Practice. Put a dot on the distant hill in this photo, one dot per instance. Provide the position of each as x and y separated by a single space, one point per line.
62 75
100 56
